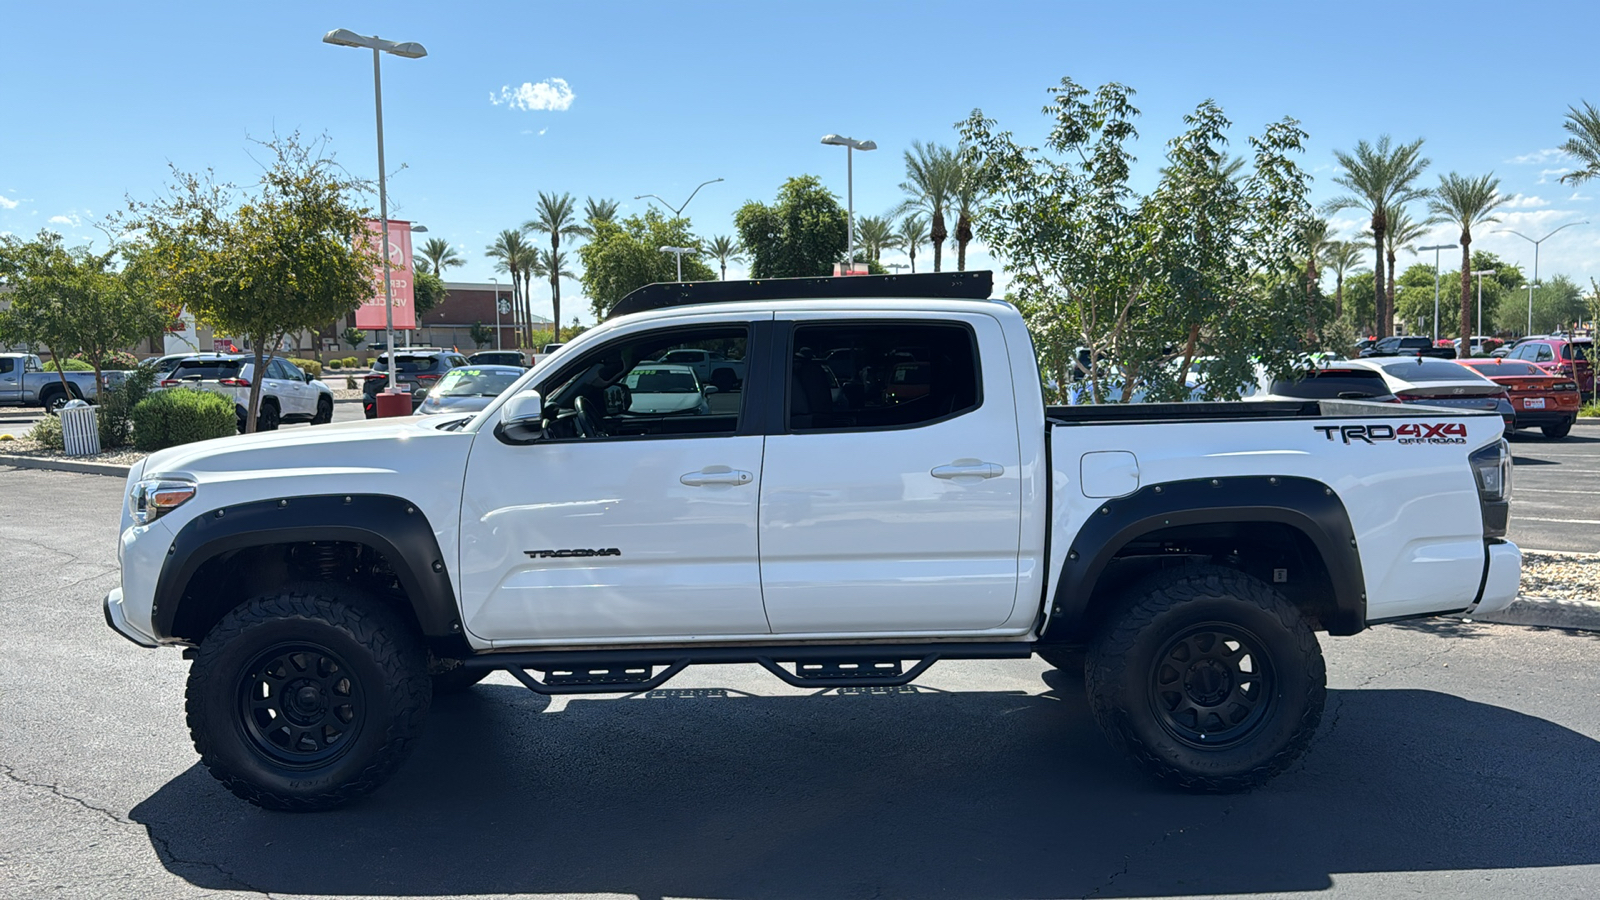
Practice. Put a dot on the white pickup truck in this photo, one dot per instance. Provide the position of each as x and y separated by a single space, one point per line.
836 532
24 382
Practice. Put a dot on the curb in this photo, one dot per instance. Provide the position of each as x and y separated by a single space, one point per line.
1546 612
65 465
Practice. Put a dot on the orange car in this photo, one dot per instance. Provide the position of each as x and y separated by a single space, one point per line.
1539 398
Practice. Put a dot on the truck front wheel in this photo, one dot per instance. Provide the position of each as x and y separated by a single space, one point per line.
1209 679
306 699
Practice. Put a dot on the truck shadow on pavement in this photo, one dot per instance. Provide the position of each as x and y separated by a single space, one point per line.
910 793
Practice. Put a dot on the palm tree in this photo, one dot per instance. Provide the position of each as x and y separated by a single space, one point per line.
874 234
1467 202
531 266
968 193
1584 126
1403 234
555 216
1315 236
1379 178
931 182
1342 257
552 264
510 251
1226 165
595 212
725 248
913 233
441 255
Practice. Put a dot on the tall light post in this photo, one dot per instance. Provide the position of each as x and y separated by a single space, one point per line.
850 145
1436 248
496 283
678 213
679 252
896 267
1479 273
409 50
1536 262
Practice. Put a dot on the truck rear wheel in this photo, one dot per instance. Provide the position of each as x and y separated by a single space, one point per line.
1209 679
306 699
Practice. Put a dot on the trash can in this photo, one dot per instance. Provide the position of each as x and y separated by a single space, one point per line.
397 403
80 428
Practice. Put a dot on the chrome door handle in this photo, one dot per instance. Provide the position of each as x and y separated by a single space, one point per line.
968 468
716 475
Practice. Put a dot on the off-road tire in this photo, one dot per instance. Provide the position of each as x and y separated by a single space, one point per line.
55 397
457 680
384 664
1067 659
1150 668
324 411
1557 432
268 418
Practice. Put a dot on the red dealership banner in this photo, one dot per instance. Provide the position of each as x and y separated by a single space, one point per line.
370 314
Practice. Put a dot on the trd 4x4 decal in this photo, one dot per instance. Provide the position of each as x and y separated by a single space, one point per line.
1409 433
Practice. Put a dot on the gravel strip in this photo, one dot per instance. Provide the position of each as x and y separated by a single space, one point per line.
23 446
1558 575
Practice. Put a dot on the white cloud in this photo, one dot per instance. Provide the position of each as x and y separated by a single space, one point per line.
7 202
1540 157
543 130
1524 201
1544 174
552 94
72 220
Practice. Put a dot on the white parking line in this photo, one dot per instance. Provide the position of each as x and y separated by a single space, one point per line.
1519 489
1563 521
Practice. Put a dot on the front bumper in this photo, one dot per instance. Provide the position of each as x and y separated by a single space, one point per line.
117 618
1502 580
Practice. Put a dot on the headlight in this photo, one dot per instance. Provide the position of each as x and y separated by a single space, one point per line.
153 498
1492 467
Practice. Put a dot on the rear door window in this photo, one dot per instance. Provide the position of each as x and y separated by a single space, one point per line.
900 374
208 369
1545 354
1333 384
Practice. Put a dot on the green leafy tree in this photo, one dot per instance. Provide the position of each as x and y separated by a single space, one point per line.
912 233
353 336
874 234
1379 178
932 177
1557 303
1584 127
556 216
481 334
1204 265
725 249
1467 202
290 256
75 301
428 291
801 234
1343 258
626 255
440 255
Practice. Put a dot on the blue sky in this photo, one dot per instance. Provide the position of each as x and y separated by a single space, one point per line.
101 96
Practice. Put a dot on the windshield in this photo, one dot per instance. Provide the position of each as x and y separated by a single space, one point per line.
469 382
1420 369
661 381
1333 384
405 364
208 368
1517 369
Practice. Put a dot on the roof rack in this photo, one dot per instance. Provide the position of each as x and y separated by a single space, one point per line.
938 285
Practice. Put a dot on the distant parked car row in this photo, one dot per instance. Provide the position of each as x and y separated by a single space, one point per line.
287 394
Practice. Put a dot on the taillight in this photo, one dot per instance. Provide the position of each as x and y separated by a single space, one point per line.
1566 386
234 382
377 376
171 382
1408 398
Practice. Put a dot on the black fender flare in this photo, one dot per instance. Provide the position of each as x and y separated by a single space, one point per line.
1305 504
392 526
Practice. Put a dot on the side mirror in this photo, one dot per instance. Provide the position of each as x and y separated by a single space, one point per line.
524 409
709 389
307 377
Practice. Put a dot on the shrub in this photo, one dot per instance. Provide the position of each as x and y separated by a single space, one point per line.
181 416
335 364
309 365
116 360
72 365
350 362
1590 411
350 383
48 434
116 407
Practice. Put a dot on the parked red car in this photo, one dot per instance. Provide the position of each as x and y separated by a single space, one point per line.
1560 356
1540 399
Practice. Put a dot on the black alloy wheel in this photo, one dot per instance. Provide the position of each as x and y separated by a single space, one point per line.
1211 684
267 418
300 704
324 411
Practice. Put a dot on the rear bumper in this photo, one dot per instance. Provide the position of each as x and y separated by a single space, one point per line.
117 618
1502 578
1533 418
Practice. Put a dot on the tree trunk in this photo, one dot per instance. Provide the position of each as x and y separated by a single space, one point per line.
1380 322
1188 357
912 253
555 307
1311 300
937 235
1390 292
1338 295
1466 292
963 237
256 375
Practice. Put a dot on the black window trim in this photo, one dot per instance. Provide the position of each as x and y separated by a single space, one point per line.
755 368
780 424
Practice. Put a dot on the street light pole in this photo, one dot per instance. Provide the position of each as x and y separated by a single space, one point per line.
850 145
678 213
1436 248
410 50
1479 274
678 252
496 282
1536 263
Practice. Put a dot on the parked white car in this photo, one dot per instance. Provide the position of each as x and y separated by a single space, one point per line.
287 393
660 389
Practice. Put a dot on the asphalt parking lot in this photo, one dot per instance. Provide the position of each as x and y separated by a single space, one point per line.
1455 760
1556 490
